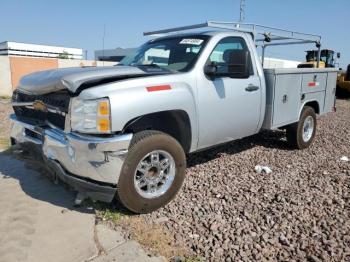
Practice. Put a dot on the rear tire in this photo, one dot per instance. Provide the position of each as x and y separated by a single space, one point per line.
142 155
300 135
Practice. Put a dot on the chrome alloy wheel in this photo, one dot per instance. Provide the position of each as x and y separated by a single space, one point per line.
154 174
308 128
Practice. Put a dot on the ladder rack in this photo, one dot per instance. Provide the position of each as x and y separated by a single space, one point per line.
263 36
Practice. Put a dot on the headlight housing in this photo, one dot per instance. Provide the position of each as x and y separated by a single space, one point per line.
91 116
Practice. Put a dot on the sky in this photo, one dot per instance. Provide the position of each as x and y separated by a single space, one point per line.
81 23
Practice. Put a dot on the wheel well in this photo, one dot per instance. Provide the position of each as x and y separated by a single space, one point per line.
175 123
314 105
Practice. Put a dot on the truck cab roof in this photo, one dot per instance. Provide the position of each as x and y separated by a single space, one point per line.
200 34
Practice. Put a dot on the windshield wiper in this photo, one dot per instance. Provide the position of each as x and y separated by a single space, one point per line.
154 66
150 64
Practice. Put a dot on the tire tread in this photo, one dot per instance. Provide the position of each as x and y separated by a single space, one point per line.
126 195
293 135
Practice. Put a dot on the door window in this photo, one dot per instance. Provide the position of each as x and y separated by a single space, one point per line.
229 56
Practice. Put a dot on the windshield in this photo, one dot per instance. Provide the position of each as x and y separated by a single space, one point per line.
174 54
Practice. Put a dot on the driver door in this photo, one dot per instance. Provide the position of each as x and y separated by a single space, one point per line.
229 107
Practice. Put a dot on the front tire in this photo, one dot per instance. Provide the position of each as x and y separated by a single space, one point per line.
153 172
300 135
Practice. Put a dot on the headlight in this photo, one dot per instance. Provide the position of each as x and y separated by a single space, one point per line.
91 116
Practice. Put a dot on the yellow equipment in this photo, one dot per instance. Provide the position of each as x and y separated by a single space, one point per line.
343 82
326 59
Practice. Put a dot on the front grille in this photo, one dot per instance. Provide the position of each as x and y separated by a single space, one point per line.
59 100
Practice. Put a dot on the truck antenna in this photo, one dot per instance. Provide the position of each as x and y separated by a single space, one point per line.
242 11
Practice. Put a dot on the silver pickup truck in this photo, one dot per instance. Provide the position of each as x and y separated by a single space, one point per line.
124 131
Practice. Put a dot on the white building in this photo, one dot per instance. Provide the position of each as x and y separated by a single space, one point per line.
32 50
280 63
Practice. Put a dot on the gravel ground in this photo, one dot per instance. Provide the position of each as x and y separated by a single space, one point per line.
5 126
301 211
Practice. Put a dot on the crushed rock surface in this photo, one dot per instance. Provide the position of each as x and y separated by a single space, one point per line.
300 212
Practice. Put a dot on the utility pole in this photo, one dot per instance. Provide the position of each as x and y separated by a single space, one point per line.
242 11
103 44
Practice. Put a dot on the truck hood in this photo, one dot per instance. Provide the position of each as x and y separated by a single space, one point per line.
75 79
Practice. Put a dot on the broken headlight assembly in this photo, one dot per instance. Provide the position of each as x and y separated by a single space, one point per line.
91 116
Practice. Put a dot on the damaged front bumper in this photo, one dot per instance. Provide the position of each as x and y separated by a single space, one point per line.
90 164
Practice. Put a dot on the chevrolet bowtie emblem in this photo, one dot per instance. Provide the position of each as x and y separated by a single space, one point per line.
40 106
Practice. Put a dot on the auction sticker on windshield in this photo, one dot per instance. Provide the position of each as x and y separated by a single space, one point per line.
191 41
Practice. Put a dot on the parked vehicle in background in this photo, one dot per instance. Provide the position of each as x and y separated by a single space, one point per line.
126 130
327 59
343 82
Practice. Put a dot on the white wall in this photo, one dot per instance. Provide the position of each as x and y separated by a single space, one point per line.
5 76
280 63
63 63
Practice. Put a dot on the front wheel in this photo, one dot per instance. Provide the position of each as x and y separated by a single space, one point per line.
300 135
153 172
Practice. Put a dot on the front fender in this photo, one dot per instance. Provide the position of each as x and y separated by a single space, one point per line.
133 98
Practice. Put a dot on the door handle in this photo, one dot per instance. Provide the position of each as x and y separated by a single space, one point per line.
251 88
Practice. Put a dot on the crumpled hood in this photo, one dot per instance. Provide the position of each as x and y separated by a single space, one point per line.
45 82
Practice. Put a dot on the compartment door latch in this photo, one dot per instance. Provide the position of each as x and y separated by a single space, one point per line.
285 99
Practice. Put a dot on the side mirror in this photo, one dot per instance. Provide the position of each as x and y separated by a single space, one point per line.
211 69
238 65
338 55
241 67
